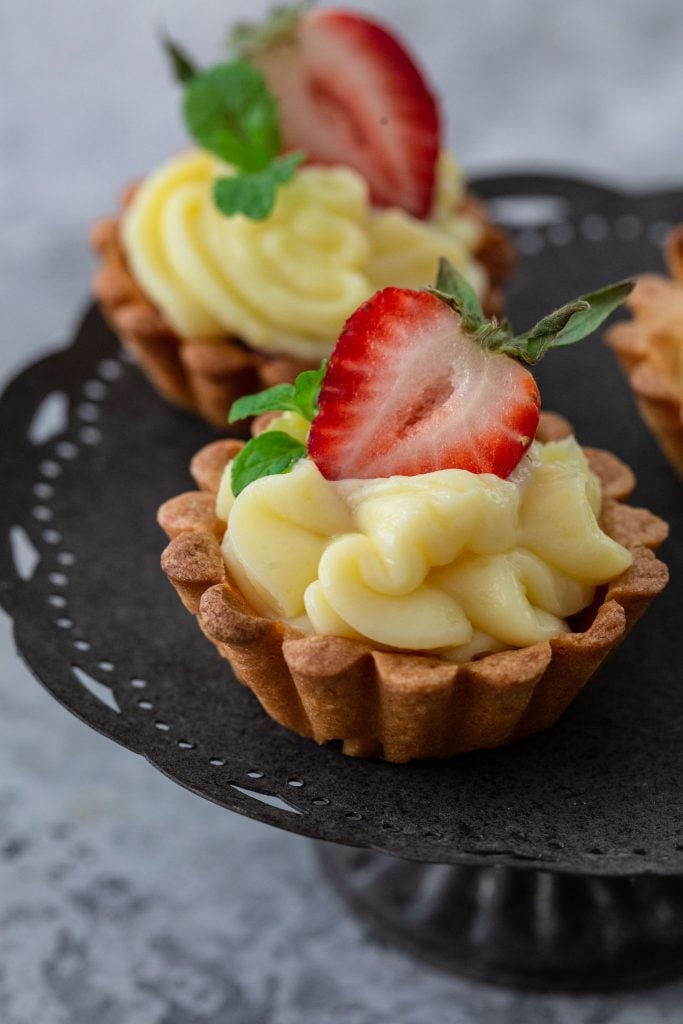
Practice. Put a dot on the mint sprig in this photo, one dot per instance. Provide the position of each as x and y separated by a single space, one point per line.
301 397
230 112
254 194
274 451
182 65
564 326
269 454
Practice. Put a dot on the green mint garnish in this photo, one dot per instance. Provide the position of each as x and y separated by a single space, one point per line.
301 397
182 65
254 194
248 38
269 454
230 112
274 451
564 326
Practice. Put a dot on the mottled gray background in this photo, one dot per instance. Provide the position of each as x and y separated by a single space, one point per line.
124 900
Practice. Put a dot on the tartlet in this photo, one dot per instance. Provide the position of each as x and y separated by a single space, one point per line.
650 350
394 562
395 705
200 359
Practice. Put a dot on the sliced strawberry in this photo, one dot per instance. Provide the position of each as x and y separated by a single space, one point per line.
350 94
409 391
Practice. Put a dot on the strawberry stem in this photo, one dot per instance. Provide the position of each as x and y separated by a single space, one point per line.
247 38
452 288
564 326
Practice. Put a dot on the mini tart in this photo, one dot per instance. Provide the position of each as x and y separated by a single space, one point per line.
399 705
650 350
208 376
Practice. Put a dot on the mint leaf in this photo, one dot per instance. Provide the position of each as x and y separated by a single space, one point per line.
600 304
453 289
284 168
250 194
269 454
254 194
307 389
183 67
301 397
230 112
276 399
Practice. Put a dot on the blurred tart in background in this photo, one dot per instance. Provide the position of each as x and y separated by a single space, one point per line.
650 350
320 176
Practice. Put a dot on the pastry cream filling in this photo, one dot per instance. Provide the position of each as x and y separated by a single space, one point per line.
288 283
453 562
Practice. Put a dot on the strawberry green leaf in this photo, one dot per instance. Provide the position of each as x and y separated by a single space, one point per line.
497 337
568 324
600 304
301 397
564 326
453 289
544 334
248 38
230 112
269 454
183 67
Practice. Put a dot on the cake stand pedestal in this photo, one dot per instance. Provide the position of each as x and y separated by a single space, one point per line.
554 863
526 928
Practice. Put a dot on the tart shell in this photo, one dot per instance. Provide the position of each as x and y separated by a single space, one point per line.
398 705
657 307
208 376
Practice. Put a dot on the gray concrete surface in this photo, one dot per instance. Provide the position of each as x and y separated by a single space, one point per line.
124 900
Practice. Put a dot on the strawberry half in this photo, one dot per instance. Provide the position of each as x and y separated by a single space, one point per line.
421 381
350 94
408 391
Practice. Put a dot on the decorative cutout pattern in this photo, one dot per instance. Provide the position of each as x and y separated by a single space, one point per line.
49 419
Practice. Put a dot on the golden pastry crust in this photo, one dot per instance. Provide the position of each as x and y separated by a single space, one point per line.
398 705
650 350
208 376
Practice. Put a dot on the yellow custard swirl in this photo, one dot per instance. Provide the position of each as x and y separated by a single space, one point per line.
288 283
453 562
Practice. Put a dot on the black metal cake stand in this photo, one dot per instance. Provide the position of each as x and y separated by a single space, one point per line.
554 863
